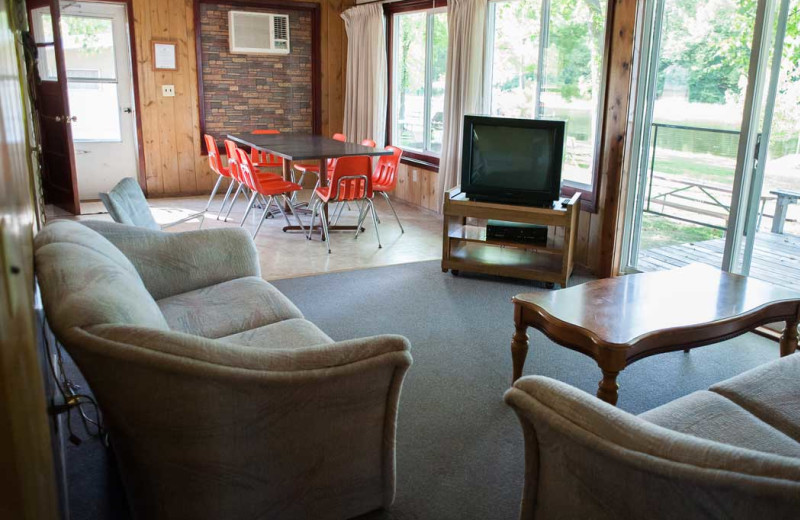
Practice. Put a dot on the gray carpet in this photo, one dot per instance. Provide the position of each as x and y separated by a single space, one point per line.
459 451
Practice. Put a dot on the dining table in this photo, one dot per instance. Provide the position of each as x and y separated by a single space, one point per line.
293 147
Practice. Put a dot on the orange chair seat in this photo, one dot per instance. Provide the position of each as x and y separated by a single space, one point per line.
344 194
324 193
382 187
278 187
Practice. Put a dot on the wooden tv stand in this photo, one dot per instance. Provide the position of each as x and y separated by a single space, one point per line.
465 246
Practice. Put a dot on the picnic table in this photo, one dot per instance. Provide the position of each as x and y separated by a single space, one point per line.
700 197
785 198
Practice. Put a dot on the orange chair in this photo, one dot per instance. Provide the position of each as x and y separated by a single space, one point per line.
263 159
233 172
384 177
215 162
265 188
314 168
351 181
234 165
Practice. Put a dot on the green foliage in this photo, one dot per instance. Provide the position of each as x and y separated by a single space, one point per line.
86 30
710 43
572 57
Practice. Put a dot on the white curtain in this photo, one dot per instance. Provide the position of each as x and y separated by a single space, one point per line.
466 20
365 94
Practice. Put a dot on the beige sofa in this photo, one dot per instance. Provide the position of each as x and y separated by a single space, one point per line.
221 400
730 452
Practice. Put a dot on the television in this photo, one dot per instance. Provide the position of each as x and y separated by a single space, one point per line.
514 161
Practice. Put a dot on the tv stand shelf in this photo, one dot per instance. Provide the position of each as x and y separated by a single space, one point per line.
466 246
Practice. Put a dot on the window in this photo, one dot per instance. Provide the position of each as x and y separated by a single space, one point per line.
89 52
544 59
419 60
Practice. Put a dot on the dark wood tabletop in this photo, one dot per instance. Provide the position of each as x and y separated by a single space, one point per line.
623 319
304 147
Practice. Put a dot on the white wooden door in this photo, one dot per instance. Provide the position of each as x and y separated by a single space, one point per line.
98 62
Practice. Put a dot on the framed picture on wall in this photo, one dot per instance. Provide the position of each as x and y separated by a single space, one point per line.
165 55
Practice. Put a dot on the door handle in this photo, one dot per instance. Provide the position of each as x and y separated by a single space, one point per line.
128 110
66 119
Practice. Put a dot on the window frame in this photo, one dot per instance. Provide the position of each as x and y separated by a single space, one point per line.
589 193
427 160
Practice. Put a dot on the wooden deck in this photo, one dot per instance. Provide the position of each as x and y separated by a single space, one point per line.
776 258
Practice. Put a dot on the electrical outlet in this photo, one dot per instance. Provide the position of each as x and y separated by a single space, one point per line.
168 90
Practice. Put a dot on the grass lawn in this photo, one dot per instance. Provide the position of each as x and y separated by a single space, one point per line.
660 231
696 167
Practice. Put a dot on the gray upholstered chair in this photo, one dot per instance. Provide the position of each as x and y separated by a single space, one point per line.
126 204
730 452
221 400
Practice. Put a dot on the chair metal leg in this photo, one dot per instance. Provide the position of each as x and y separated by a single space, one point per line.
385 196
325 230
263 216
313 219
283 213
249 207
225 200
339 213
362 214
213 192
375 222
286 200
233 200
312 198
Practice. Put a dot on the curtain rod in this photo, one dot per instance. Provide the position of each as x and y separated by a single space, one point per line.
433 2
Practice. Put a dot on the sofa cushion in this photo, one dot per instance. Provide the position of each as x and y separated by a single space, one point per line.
227 308
710 416
287 334
86 281
770 392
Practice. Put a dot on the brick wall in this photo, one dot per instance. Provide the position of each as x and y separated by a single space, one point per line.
244 92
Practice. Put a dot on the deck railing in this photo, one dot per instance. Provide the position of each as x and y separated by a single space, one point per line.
684 197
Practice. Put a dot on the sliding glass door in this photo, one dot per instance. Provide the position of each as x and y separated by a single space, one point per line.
715 79
769 243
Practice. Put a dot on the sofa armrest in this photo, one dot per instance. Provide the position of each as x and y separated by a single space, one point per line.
587 459
194 419
174 263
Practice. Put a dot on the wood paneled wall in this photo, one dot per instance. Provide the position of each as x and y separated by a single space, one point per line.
171 126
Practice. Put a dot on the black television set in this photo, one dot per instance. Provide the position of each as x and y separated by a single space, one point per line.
515 161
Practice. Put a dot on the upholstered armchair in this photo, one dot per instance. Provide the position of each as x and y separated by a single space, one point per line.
587 459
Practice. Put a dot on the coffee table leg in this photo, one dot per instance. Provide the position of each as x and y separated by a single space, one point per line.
519 350
789 338
607 389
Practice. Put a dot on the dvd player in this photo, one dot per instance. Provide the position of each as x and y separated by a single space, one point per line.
516 232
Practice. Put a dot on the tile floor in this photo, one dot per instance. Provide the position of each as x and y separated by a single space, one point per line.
288 255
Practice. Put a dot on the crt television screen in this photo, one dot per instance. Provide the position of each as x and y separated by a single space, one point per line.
512 158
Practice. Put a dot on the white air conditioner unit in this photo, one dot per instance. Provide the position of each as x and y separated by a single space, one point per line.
258 33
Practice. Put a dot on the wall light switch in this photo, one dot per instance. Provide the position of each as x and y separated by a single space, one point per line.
168 90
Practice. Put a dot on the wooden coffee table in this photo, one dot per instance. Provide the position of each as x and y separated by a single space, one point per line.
617 321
